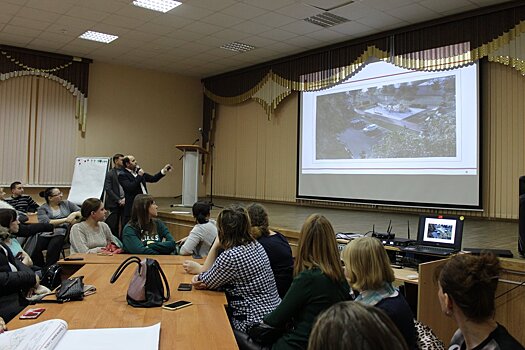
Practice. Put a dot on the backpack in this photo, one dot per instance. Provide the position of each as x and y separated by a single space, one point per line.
52 277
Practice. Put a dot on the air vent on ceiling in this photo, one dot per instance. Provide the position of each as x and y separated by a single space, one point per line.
326 19
237 47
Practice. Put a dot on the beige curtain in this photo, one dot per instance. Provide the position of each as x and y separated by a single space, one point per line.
39 131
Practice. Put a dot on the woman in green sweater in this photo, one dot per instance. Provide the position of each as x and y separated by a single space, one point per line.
319 282
144 234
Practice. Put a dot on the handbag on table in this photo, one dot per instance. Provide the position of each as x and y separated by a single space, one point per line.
71 289
148 284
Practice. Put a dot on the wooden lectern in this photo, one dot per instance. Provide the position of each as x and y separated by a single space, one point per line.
190 173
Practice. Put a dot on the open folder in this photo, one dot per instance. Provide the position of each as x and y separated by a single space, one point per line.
54 335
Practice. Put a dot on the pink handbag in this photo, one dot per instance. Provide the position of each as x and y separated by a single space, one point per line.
146 288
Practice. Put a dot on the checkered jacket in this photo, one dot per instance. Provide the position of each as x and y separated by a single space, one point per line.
246 276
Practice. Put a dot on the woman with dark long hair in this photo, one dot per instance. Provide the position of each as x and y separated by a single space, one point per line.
16 279
275 245
144 233
61 214
202 235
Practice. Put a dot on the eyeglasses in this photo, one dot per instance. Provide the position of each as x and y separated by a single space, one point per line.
56 194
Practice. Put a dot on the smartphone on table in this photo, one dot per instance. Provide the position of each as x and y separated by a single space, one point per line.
179 304
32 313
184 287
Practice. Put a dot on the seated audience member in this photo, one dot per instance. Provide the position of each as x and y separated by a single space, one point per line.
243 270
25 230
19 201
467 286
144 234
318 284
275 245
349 325
61 214
369 272
9 226
92 235
16 280
202 235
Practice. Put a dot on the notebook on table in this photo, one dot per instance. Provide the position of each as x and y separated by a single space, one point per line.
438 235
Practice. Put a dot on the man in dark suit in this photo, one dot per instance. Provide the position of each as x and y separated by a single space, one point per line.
133 180
114 202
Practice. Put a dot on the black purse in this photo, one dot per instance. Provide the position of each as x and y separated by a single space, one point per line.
264 334
146 288
71 289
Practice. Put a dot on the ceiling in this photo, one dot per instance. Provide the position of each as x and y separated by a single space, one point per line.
187 39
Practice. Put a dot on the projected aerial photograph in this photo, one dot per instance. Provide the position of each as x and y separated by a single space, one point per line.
439 231
402 120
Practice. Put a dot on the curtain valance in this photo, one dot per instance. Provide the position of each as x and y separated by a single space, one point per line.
452 42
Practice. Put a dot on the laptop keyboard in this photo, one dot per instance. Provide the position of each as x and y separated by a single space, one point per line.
421 248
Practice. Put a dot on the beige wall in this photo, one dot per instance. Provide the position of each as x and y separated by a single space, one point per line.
144 113
256 158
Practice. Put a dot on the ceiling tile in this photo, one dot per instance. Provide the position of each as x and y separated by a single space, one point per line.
245 11
258 41
355 11
300 27
230 35
42 44
271 5
171 21
15 39
185 35
278 34
105 5
383 5
214 5
222 20
273 19
441 6
193 47
56 37
327 36
29 23
380 20
351 28
121 21
414 13
138 12
10 9
298 11
11 29
251 27
203 28
155 29
72 25
37 14
188 11
87 14
50 5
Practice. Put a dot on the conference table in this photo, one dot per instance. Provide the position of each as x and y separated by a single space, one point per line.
203 325
74 262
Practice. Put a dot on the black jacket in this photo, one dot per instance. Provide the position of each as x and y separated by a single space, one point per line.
131 186
13 285
112 188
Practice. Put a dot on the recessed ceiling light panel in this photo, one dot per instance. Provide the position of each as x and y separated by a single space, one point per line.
100 37
237 47
157 5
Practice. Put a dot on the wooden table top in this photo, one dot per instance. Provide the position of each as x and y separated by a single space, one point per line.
203 325
119 258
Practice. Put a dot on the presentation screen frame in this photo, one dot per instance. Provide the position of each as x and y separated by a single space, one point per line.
474 189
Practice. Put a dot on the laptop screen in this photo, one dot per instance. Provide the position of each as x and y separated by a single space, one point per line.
440 231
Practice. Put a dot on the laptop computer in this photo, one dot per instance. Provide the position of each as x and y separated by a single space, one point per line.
438 235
